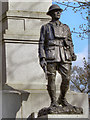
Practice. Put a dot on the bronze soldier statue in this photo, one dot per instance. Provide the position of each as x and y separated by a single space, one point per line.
56 53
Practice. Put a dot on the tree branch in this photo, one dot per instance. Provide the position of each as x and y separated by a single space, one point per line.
76 86
72 6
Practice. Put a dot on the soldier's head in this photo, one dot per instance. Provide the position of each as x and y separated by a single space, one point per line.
54 11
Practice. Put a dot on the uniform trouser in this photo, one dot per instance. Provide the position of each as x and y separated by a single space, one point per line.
64 70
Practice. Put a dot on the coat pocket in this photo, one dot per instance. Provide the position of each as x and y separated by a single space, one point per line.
50 53
68 55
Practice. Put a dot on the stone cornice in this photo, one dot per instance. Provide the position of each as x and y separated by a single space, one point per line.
24 14
27 14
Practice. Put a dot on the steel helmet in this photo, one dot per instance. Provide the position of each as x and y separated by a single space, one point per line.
53 7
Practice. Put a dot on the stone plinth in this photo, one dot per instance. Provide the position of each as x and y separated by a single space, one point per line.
76 99
31 101
65 117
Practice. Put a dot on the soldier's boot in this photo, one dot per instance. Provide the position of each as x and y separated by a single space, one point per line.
52 94
62 100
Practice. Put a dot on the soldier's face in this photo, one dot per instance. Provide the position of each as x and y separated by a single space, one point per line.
56 14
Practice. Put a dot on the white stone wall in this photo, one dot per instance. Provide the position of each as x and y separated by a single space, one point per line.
21 43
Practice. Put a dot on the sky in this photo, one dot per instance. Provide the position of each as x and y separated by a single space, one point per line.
73 20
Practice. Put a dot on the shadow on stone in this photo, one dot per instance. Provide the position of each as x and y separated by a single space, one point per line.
12 101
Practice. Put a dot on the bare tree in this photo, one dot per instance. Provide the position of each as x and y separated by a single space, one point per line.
80 77
83 9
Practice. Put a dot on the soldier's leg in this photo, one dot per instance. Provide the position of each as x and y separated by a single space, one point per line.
51 87
65 71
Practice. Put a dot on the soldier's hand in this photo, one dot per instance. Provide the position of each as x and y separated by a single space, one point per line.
43 62
74 57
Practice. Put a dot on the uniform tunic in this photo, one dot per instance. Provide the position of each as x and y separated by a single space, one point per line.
55 43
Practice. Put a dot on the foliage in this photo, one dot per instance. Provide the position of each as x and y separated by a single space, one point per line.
80 77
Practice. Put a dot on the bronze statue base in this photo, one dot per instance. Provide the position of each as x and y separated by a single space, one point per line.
60 110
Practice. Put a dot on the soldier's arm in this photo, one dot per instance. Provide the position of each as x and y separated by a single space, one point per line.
41 49
41 43
70 40
71 45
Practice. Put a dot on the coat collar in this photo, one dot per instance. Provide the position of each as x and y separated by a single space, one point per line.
55 23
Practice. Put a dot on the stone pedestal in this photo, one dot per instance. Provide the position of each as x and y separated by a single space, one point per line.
76 99
65 117
21 104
